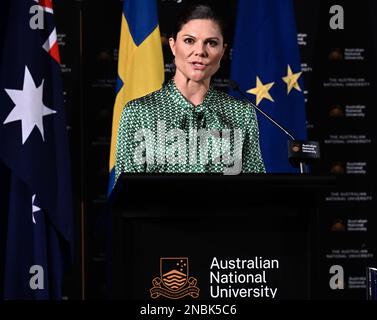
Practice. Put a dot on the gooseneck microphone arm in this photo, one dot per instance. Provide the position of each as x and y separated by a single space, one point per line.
233 85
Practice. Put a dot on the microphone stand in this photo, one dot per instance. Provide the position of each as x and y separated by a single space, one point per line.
236 87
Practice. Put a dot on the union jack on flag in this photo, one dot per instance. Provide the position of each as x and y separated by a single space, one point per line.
36 224
45 5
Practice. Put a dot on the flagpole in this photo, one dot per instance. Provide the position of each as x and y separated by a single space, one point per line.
82 156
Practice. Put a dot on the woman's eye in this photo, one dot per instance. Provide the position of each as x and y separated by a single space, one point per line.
189 41
212 43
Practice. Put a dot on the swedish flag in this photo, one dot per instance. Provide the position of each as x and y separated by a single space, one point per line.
140 66
266 65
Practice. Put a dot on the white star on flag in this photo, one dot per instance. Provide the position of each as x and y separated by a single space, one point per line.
34 208
29 106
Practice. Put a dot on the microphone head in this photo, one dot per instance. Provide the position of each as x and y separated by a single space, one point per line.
303 151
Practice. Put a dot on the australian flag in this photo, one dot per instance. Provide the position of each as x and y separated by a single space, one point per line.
266 66
36 209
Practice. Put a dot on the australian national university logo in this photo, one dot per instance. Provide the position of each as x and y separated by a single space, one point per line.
174 281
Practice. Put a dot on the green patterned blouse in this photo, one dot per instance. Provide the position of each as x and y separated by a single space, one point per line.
164 132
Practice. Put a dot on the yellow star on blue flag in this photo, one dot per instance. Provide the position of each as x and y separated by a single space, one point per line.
261 91
271 25
291 80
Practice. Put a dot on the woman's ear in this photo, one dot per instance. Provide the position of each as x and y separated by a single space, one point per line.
172 45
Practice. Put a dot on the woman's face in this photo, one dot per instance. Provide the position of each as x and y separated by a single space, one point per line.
198 49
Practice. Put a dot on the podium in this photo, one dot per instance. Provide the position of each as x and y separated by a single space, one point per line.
230 237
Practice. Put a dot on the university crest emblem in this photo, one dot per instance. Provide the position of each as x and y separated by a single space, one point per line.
174 281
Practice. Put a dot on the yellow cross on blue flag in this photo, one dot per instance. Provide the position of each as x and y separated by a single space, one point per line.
140 66
266 65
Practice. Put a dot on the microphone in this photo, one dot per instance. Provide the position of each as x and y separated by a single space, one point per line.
299 152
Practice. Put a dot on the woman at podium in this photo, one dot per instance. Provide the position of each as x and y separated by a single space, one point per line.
187 126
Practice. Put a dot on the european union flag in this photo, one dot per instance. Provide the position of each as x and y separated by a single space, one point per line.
37 221
266 65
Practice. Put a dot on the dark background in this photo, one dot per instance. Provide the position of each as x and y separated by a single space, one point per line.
340 89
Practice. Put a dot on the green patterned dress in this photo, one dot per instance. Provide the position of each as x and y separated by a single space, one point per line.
164 133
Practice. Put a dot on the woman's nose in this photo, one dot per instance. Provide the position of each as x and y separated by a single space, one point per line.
200 49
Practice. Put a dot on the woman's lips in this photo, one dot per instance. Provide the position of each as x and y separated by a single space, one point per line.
198 65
